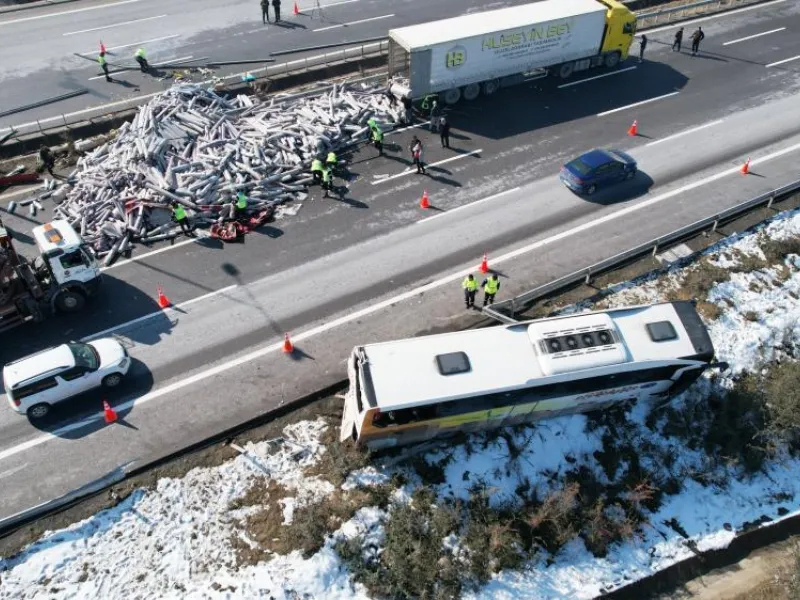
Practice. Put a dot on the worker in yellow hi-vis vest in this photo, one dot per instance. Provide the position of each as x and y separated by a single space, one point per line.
490 286
470 285
140 58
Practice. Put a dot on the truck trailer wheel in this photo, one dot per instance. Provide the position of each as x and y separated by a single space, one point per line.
491 86
611 60
452 96
565 70
472 91
69 301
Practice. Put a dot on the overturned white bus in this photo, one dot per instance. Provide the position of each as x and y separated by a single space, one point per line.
415 389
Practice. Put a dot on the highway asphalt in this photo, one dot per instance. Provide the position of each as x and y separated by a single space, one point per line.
337 274
39 45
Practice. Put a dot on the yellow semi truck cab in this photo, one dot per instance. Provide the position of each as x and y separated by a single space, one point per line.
620 28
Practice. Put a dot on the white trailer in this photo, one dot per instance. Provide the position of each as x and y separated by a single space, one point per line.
488 50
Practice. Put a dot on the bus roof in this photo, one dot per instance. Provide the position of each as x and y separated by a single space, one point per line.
425 35
407 373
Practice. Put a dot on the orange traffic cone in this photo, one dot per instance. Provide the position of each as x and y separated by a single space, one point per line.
109 413
287 344
102 47
424 203
296 9
484 268
633 129
163 301
745 167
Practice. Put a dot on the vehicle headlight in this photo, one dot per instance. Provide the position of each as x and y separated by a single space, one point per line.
123 363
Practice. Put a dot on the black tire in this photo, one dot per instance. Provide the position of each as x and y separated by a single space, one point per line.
452 96
113 380
69 301
591 190
611 60
491 86
565 70
38 412
471 91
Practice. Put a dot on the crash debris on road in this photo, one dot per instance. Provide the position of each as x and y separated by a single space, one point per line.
199 149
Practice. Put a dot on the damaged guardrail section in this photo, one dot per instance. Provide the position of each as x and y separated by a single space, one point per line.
506 310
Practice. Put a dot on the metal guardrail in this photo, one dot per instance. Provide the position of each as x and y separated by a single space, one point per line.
688 11
506 310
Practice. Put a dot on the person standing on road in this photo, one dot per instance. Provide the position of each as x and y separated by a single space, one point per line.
140 58
47 159
470 285
316 170
104 65
276 7
179 214
676 44
490 286
444 132
377 135
416 154
265 11
697 37
327 181
409 114
642 46
434 115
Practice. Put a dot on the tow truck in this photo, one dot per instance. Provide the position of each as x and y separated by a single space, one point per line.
61 279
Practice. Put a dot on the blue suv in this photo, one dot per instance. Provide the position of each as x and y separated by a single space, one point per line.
597 168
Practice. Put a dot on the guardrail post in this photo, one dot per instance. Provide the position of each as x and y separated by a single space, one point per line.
714 226
513 308
588 278
655 249
65 121
770 201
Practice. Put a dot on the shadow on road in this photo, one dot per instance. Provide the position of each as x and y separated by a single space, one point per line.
621 192
82 415
116 302
540 103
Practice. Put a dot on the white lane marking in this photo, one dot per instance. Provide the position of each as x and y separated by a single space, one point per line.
353 23
66 12
142 43
471 204
428 165
613 110
750 37
571 83
159 312
166 61
709 17
373 308
785 60
10 472
337 3
113 25
136 258
686 132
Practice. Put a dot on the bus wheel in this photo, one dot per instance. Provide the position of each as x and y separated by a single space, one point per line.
565 70
472 91
611 60
491 86
452 96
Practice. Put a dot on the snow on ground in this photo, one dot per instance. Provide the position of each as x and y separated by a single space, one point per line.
174 541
